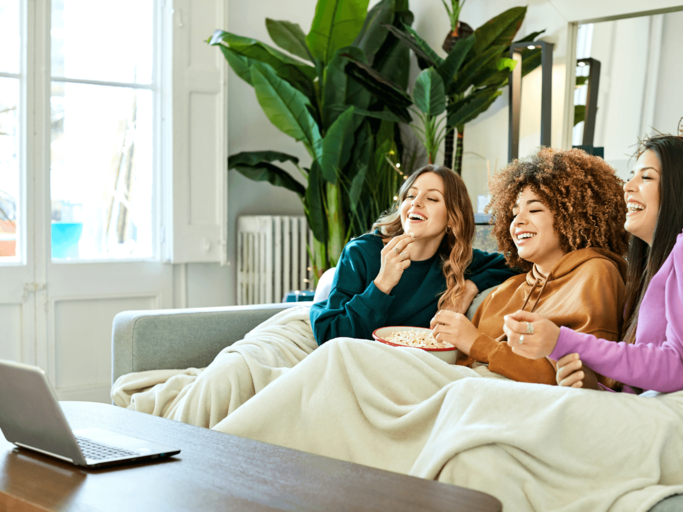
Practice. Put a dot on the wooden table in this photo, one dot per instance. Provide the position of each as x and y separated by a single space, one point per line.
214 471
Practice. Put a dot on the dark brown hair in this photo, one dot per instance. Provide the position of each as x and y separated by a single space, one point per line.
456 247
645 261
582 191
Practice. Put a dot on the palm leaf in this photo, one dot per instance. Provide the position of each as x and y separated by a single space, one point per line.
289 36
455 60
336 147
472 108
373 34
429 93
286 107
335 25
413 44
338 88
313 203
395 98
499 31
272 174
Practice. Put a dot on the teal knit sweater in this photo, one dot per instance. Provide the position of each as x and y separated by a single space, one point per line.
356 307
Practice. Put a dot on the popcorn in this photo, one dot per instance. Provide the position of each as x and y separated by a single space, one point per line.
418 339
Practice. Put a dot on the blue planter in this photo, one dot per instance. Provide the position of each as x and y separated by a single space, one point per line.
65 237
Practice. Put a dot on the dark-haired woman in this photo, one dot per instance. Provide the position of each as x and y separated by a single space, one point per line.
651 357
419 257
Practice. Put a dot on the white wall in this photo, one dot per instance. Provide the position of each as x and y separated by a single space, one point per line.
249 129
669 108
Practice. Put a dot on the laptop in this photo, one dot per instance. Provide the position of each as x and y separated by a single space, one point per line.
30 417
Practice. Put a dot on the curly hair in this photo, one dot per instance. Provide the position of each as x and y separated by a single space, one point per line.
581 190
456 247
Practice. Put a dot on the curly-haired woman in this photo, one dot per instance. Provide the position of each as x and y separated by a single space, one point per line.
559 215
419 258
651 357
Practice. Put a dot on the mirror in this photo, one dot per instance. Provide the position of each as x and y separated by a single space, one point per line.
635 66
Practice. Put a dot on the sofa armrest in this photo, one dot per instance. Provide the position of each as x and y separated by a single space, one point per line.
181 338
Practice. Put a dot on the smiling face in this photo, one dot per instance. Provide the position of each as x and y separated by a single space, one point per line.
423 210
642 197
533 233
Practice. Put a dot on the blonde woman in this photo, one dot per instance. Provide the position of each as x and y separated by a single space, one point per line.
417 260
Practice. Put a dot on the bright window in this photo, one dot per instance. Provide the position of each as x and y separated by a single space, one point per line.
10 175
102 114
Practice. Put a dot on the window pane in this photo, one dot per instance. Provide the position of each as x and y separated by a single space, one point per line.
104 40
101 173
9 167
9 36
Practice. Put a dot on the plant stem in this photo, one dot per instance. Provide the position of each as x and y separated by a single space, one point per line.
336 238
457 167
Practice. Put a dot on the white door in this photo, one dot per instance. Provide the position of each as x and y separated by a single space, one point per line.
82 182
17 259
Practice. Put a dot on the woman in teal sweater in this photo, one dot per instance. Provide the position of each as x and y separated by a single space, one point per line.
400 273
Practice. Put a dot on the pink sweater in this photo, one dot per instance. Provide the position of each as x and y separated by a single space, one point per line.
655 360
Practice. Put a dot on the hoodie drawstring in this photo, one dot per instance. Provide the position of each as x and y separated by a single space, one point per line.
540 294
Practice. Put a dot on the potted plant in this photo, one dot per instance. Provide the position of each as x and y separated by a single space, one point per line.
307 95
473 75
459 29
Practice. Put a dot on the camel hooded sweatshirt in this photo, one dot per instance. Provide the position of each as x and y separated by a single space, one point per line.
584 292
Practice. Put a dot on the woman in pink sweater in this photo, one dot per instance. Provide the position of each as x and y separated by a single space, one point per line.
651 357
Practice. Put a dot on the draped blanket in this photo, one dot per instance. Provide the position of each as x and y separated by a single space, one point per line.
203 397
535 447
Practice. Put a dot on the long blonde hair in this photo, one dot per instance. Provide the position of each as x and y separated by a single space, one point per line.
456 247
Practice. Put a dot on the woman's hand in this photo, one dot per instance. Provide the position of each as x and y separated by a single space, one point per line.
540 334
455 328
395 259
572 373
465 300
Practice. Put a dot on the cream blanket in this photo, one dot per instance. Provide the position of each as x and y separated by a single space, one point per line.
532 446
204 397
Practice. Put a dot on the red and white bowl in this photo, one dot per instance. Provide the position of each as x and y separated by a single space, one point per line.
449 355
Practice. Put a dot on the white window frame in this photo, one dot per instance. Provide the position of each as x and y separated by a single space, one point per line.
158 86
22 224
181 27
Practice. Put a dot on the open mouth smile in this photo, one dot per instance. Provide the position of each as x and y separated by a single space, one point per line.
523 237
633 207
416 217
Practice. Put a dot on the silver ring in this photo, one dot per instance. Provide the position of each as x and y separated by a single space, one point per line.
529 328
521 339
396 250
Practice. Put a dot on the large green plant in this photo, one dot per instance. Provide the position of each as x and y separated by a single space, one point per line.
307 94
467 82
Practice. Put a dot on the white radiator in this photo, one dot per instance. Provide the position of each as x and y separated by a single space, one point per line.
272 258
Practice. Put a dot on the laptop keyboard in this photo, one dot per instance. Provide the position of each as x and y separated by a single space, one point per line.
96 451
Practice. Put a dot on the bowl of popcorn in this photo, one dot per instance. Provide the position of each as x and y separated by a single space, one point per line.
416 337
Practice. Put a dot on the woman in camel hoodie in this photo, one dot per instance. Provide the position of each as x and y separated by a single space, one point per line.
559 215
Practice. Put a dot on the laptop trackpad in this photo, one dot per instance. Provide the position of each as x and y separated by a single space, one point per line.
119 441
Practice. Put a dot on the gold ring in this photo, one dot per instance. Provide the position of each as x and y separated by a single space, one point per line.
396 250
